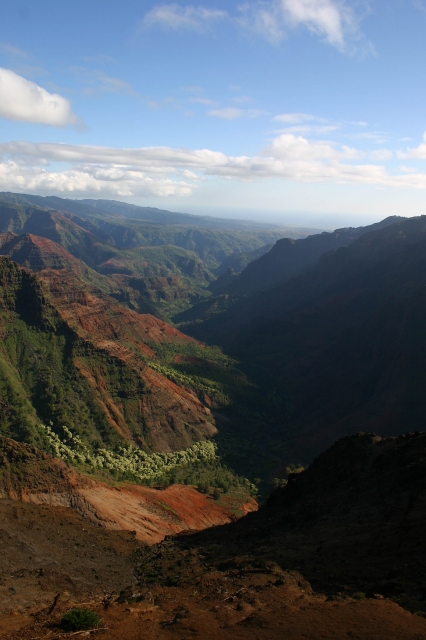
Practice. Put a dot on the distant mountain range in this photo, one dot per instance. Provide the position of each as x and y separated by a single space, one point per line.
89 208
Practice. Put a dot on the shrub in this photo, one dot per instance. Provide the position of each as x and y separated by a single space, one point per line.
216 494
79 619
203 488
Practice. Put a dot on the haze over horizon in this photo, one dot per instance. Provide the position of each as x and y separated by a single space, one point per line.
288 111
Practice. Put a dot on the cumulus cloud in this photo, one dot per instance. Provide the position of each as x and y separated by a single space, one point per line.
166 171
418 153
105 181
23 100
174 17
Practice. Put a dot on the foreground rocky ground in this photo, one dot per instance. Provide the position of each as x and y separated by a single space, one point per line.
338 553
52 560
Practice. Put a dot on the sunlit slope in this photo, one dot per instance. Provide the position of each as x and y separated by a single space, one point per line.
73 356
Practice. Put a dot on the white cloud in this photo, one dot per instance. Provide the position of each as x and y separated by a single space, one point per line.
166 171
418 153
174 17
332 20
381 155
264 19
108 181
23 100
327 18
232 113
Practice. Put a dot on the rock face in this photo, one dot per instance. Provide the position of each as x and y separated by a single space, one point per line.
31 476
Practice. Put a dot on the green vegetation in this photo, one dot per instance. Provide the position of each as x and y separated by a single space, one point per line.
128 460
167 278
79 620
198 465
41 380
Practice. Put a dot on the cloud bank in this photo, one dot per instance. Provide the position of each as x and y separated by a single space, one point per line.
164 171
23 100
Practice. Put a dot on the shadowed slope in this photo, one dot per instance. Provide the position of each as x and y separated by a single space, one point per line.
353 521
344 342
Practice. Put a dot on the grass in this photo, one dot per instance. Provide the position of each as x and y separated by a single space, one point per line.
80 619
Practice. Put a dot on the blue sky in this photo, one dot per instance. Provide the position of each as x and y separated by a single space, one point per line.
301 111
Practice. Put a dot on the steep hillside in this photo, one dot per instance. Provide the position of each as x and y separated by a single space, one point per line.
91 245
163 280
343 343
166 277
38 253
74 356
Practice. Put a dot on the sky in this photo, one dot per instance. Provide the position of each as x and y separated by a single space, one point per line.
291 111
